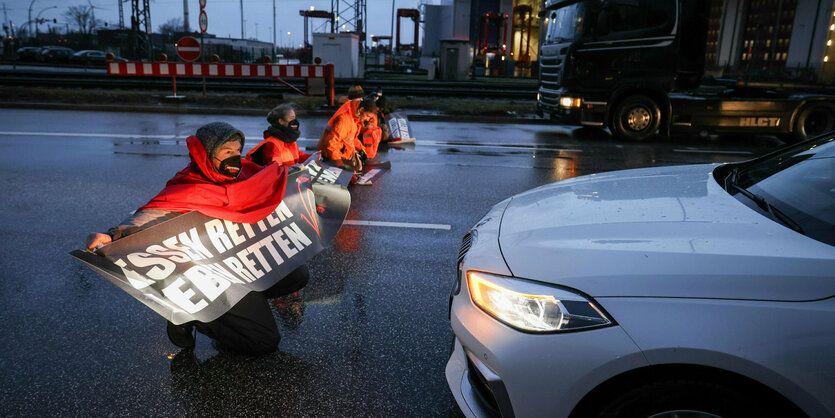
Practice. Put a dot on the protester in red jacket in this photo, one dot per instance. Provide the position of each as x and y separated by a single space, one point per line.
219 184
279 144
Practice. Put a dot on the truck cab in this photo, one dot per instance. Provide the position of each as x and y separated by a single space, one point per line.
635 66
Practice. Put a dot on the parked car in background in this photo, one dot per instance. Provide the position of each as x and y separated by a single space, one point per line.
92 57
689 291
55 54
28 53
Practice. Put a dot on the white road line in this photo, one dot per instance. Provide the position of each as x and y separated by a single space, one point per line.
503 146
398 224
94 135
710 151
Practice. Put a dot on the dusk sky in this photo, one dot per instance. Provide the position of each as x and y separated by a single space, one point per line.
223 15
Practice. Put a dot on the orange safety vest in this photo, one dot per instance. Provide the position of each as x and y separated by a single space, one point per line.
273 149
339 141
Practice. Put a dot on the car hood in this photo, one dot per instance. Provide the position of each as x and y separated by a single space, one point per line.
659 232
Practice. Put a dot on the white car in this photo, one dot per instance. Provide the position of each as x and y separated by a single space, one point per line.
689 291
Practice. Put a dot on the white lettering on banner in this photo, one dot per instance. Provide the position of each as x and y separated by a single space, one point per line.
210 285
283 244
249 263
300 240
175 256
192 241
134 279
232 229
283 212
238 268
182 297
268 242
325 175
368 176
222 272
261 225
256 250
248 229
220 240
173 244
162 267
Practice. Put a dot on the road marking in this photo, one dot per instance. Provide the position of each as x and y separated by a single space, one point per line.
710 151
398 224
173 137
502 146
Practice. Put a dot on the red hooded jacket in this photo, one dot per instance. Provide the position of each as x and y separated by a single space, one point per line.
248 198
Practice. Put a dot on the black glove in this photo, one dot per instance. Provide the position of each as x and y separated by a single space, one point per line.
363 156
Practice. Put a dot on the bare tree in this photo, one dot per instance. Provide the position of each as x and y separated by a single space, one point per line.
171 27
81 17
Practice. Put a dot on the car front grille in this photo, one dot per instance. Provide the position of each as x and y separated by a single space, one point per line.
466 243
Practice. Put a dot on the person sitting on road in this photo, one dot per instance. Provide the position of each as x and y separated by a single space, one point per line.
279 144
219 184
371 134
339 142
355 92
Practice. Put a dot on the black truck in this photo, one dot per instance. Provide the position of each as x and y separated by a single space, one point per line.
637 66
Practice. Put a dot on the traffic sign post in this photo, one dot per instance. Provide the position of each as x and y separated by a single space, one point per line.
204 21
204 25
188 48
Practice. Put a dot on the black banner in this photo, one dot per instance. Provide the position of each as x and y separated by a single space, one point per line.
194 267
326 172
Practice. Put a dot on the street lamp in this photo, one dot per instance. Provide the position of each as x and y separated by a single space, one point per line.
28 24
38 19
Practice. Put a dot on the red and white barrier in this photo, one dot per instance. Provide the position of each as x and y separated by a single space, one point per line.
275 71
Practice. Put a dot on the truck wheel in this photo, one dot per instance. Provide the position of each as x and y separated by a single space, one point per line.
636 118
813 120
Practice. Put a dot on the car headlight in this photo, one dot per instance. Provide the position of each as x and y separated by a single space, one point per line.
533 307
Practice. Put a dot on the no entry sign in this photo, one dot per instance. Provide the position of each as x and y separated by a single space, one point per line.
188 48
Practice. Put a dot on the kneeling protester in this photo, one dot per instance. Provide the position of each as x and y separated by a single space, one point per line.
222 236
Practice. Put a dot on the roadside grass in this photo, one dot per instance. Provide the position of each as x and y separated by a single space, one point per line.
439 105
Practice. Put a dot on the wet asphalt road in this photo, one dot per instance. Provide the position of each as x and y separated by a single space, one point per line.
369 336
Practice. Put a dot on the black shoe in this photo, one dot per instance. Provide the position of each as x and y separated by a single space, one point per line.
181 335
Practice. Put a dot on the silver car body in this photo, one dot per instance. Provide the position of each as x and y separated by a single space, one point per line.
689 274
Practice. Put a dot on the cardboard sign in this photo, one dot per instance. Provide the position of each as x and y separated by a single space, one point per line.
398 125
194 267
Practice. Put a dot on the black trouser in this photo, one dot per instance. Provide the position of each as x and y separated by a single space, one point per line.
249 327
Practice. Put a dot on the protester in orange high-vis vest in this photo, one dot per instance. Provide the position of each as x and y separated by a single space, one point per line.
279 144
339 142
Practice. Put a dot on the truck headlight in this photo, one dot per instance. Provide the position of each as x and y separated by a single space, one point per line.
533 307
570 101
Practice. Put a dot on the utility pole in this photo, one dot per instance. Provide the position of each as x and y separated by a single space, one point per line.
121 15
185 17
274 30
242 19
28 23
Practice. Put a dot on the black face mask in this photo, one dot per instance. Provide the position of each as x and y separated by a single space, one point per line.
231 166
294 124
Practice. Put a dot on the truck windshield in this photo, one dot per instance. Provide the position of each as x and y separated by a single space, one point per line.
565 24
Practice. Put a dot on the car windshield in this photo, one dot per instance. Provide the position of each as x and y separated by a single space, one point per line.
795 186
564 24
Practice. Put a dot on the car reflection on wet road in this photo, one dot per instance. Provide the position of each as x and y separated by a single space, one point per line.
368 336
